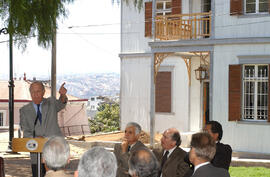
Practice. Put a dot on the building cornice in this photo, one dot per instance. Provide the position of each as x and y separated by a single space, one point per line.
203 44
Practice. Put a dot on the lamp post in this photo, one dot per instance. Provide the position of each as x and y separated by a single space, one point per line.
11 89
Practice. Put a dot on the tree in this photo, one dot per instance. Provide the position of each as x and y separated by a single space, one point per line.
136 3
107 119
28 18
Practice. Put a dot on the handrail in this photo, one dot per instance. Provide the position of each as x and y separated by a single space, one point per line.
183 26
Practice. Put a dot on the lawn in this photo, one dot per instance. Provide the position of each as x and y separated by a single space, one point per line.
249 172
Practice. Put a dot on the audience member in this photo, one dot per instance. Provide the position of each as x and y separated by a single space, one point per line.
143 163
203 149
97 162
223 156
171 157
130 144
56 155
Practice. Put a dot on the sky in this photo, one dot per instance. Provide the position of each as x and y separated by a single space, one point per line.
91 45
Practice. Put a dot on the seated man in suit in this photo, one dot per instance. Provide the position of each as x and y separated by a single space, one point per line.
130 144
97 162
203 149
171 157
223 156
143 163
56 155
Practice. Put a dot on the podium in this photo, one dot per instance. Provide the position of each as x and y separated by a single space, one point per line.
30 145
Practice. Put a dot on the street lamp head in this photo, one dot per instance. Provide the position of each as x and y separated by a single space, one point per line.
4 31
201 73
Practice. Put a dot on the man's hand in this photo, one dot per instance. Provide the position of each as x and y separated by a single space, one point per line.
124 146
63 90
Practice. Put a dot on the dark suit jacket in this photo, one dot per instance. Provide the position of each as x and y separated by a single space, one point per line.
122 158
49 126
210 171
223 156
174 165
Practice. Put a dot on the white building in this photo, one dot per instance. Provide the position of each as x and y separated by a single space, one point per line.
230 39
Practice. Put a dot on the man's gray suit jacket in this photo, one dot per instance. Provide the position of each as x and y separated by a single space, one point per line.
49 126
122 158
210 171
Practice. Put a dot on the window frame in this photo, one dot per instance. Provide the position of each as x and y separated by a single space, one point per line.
3 112
256 8
256 81
164 11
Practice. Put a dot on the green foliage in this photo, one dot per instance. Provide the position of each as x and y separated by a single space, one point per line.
137 3
28 18
107 119
249 171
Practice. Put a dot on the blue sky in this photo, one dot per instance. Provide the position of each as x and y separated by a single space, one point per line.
91 45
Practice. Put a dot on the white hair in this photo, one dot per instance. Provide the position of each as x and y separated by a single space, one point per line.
97 162
56 153
137 127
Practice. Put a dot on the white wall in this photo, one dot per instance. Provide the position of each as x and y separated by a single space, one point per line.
135 91
195 117
179 116
242 137
135 94
227 26
132 26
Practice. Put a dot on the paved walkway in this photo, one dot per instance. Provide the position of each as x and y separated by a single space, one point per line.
19 164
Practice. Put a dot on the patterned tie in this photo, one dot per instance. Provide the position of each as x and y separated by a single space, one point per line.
39 114
163 160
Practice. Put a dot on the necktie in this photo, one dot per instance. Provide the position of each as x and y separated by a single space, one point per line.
128 148
163 160
39 114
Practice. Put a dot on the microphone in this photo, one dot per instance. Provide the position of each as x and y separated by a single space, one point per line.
34 132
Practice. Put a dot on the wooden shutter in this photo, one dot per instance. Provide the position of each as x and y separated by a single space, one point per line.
268 94
235 73
148 19
176 6
163 92
236 7
269 6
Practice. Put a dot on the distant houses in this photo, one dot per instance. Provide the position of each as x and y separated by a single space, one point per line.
95 101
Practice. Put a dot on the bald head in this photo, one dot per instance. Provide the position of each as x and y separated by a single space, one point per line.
171 138
143 163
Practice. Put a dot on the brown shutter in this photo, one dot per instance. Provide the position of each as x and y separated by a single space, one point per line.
235 73
269 6
163 92
236 7
268 94
148 19
176 6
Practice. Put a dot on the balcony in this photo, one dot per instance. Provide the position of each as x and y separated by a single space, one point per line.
183 26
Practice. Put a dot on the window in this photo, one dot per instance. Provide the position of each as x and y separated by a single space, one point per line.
2 121
164 8
163 92
92 99
255 92
256 6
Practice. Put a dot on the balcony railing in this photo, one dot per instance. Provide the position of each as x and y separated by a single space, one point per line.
183 26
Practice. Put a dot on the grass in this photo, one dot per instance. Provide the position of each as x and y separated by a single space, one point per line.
249 172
